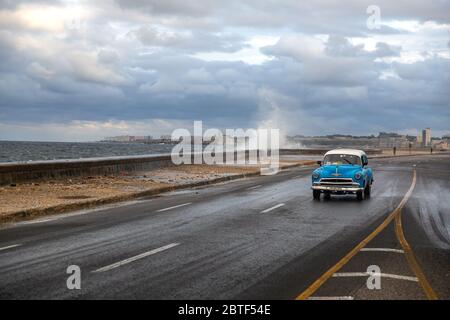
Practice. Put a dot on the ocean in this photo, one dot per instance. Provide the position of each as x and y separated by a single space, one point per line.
21 151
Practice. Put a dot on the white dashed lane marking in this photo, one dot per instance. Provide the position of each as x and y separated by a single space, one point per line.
255 187
138 257
39 221
10 247
174 207
273 208
383 275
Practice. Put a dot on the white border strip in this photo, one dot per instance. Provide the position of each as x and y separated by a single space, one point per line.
383 250
383 275
331 298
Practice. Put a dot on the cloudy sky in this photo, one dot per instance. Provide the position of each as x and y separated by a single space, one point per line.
75 70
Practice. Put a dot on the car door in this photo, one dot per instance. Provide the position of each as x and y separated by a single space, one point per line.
367 173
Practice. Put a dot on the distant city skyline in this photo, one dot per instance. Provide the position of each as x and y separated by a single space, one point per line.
383 140
127 137
419 136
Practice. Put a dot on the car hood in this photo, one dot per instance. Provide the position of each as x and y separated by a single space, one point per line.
339 171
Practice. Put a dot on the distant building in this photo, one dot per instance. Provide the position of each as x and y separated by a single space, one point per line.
419 138
388 135
426 137
412 139
166 137
441 145
129 139
392 139
118 139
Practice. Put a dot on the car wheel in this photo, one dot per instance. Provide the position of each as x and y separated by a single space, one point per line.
359 195
316 194
327 195
367 191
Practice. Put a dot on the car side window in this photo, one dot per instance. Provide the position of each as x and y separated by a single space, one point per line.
364 160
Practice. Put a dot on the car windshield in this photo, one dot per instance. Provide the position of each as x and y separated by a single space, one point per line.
342 159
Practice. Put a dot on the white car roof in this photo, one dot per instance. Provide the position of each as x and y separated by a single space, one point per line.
353 152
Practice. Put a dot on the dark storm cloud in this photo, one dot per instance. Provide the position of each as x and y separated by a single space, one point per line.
190 42
11 4
133 60
346 17
173 7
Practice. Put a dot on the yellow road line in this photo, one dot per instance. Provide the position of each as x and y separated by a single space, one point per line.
329 273
414 265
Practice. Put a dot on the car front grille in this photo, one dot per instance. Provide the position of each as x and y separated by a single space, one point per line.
336 181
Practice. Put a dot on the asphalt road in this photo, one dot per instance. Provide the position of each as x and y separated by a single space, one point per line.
256 238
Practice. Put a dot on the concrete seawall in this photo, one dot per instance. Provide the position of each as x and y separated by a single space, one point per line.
44 170
58 169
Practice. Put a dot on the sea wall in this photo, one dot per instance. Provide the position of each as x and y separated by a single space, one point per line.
45 170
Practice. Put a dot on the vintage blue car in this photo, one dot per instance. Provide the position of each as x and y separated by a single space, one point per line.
343 171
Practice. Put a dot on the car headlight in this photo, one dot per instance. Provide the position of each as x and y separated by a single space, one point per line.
358 175
315 175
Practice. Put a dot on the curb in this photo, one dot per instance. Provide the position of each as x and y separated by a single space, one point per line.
30 214
409 155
